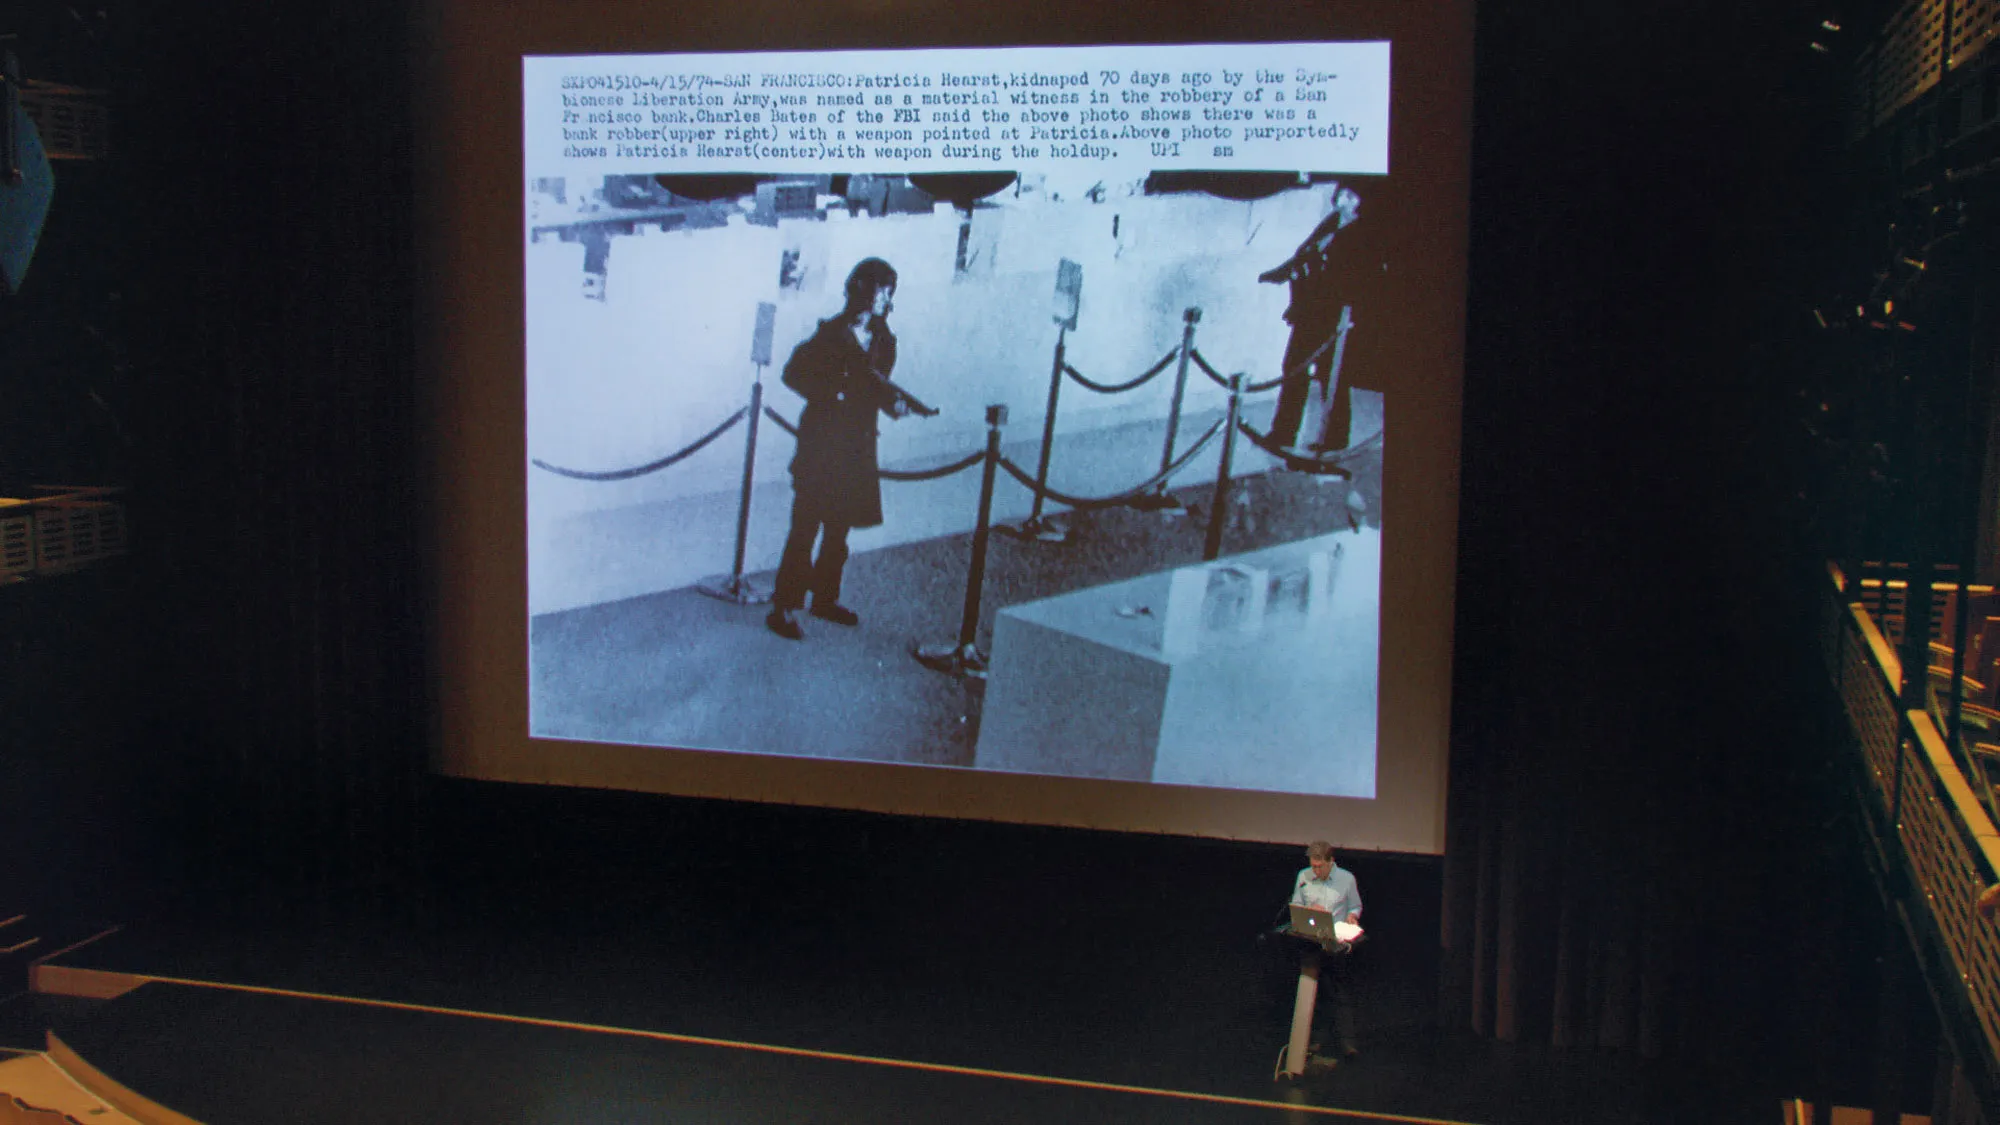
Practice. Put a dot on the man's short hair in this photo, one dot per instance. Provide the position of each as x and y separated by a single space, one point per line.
1318 850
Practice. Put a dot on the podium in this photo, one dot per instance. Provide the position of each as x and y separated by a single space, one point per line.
1293 1060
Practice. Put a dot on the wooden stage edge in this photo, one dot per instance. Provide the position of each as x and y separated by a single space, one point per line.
90 984
101 984
109 1090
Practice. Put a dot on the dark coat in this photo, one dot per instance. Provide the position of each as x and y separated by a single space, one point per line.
1344 268
833 475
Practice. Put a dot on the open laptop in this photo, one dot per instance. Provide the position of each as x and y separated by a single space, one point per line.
1320 926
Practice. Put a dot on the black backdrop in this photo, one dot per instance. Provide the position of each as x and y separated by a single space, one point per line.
243 707
246 705
279 502
1635 781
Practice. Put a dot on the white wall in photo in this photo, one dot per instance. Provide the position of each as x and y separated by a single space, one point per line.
665 356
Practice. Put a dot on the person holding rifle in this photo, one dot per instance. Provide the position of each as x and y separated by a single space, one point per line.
842 371
1336 265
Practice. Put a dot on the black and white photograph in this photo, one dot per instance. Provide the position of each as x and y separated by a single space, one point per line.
1039 472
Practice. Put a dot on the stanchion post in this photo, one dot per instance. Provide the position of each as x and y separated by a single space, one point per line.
1048 426
1159 499
1189 318
733 587
1035 527
1068 306
1327 438
1219 507
968 625
963 658
749 467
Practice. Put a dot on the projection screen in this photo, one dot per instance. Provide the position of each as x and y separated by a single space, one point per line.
1059 433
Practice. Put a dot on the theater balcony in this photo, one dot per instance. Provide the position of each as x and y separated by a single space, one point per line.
1902 489
1922 756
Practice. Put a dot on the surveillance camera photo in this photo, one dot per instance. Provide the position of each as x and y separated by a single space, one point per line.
969 419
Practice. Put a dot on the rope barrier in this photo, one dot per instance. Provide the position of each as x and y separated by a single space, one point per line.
960 465
1325 463
1258 388
650 466
1301 365
1120 388
774 416
1201 361
935 473
1086 503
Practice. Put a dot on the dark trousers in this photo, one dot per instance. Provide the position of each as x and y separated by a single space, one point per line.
1292 393
799 572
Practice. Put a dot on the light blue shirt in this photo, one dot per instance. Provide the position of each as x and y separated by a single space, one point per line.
1337 894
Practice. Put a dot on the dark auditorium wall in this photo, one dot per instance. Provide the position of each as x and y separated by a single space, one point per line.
267 146
1626 807
1636 781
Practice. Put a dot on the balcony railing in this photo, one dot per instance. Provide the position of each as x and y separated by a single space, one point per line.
1938 816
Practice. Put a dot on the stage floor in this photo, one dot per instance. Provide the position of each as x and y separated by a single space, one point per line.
222 1055
747 989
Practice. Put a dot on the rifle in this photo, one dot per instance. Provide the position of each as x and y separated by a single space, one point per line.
903 398
1311 253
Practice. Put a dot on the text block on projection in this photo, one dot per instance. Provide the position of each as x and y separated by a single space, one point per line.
1320 107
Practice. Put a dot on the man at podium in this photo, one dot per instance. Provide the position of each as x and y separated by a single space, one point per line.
1325 885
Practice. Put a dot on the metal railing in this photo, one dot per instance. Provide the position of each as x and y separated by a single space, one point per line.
1944 832
1871 678
1954 854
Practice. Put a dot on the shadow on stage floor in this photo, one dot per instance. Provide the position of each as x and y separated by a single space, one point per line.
729 977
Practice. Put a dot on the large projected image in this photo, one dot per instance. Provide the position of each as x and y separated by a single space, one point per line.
996 410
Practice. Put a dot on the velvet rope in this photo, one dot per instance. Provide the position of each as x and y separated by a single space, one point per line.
650 466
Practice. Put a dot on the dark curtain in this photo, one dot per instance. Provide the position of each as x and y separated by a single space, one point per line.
275 497
1629 792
